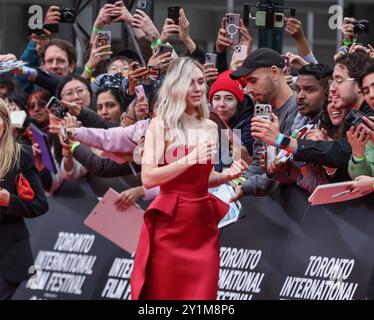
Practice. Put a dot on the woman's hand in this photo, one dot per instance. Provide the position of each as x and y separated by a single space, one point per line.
141 109
98 54
4 197
144 22
363 185
202 153
317 135
7 57
74 109
210 72
222 41
237 168
357 138
168 30
128 198
37 157
245 37
104 18
161 61
296 61
135 74
120 13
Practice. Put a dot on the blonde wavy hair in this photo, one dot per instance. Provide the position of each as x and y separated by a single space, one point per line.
10 150
172 97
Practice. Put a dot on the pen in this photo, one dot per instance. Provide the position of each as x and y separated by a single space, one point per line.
341 193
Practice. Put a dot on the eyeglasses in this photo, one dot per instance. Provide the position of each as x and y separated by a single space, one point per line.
338 82
118 68
70 93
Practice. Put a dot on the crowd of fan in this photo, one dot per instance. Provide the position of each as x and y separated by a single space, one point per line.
103 131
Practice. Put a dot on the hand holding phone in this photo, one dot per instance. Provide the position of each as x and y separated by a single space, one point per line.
173 13
104 39
263 111
232 23
211 58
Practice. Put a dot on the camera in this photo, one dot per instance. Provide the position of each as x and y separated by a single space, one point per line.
56 107
354 118
360 26
68 15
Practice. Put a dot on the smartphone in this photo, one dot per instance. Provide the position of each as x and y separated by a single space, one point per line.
246 12
240 52
146 6
173 13
354 118
139 91
232 21
104 39
55 106
263 111
165 48
211 58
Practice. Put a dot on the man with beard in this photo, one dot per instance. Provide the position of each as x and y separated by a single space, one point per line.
266 83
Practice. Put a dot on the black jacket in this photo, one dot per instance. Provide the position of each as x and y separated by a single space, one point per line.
334 154
15 250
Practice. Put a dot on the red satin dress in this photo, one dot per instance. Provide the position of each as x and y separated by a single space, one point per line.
178 252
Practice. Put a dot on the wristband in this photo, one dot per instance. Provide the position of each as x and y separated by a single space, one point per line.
88 69
347 43
95 29
357 160
279 140
74 146
155 44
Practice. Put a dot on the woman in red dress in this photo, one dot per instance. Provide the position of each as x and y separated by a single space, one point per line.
178 251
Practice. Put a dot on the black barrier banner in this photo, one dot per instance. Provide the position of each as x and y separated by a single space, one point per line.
281 249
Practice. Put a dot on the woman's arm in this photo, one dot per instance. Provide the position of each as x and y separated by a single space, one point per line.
154 148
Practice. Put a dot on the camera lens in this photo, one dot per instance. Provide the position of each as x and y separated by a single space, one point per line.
358 28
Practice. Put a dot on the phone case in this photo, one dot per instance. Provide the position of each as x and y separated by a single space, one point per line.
139 90
263 111
232 24
240 52
211 58
146 6
104 39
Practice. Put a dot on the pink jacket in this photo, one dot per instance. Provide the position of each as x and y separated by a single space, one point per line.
118 139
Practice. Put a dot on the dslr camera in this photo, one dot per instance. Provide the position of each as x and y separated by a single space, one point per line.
68 15
360 26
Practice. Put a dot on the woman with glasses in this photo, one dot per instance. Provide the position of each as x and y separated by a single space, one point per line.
16 162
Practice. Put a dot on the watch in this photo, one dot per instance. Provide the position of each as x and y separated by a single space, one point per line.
285 142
